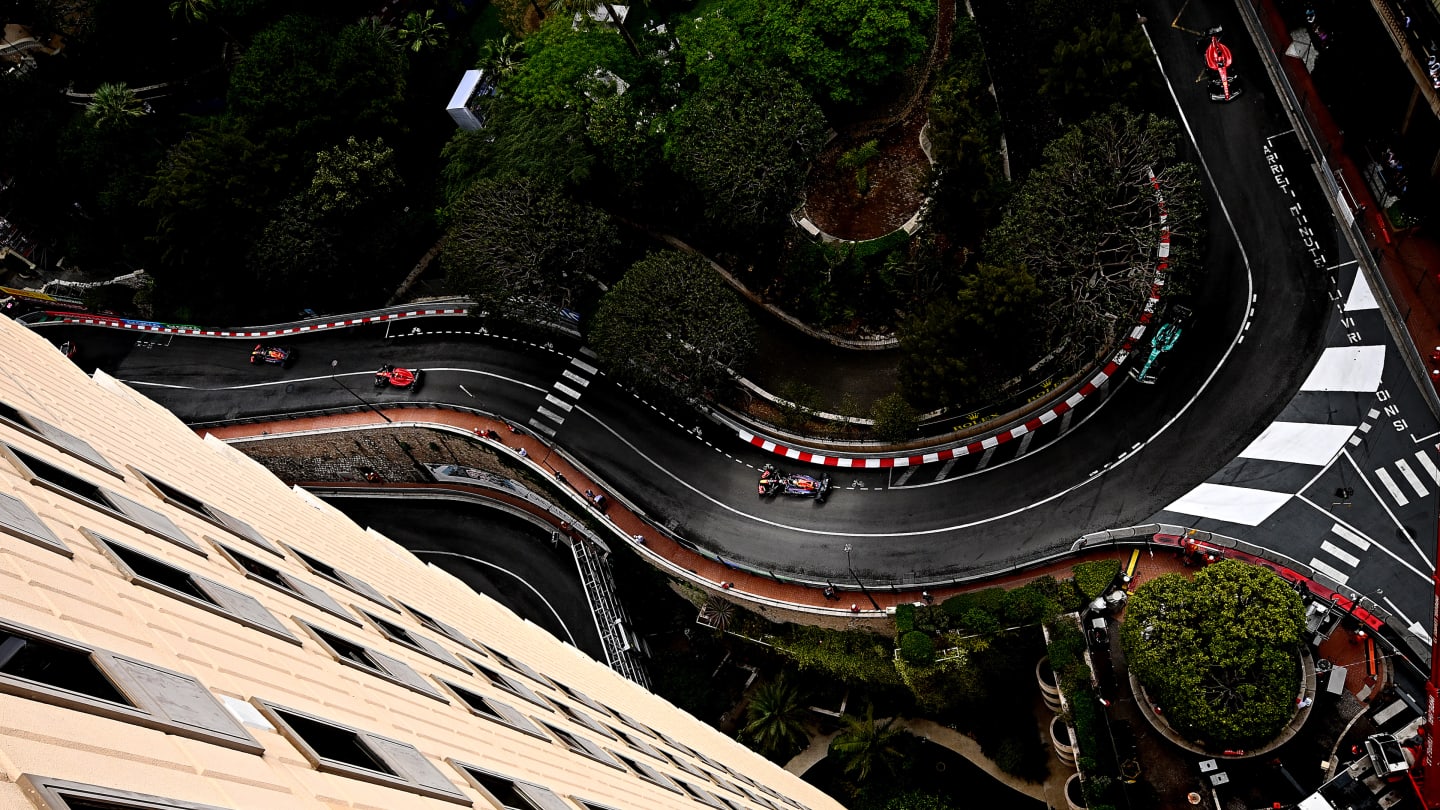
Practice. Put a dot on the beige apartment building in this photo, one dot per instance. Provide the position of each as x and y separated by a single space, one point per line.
178 629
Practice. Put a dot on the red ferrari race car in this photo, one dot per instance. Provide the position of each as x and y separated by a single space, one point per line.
1224 84
407 378
274 355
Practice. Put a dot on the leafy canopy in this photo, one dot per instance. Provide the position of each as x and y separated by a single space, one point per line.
1218 652
1086 226
672 323
746 145
521 248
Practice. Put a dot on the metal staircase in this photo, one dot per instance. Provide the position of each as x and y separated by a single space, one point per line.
623 648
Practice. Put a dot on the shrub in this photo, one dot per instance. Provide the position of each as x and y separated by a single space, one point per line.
1023 755
979 622
1027 605
895 419
917 647
1092 578
904 618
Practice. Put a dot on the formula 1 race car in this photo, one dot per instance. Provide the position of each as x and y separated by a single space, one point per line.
773 482
407 378
274 355
1224 84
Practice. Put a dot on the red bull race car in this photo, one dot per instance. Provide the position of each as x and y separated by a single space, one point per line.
274 355
407 378
773 482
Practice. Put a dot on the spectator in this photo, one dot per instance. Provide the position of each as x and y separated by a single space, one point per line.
523 453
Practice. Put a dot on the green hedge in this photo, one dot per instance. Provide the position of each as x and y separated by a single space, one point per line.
1092 578
917 647
904 618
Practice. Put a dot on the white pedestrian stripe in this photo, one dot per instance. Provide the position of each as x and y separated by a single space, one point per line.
1347 368
551 415
1354 538
1340 554
1299 442
1411 477
1329 570
558 402
583 366
575 378
567 390
1361 296
1424 459
1390 485
1242 505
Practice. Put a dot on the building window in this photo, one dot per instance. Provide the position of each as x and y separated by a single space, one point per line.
339 749
43 474
578 696
633 723
638 744
577 716
202 592
684 765
492 709
177 497
39 666
505 793
647 773
518 666
376 663
17 519
700 794
327 571
500 680
62 794
589 805
582 746
402 636
55 437
440 627
294 586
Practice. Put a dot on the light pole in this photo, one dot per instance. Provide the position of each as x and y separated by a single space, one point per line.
851 569
336 380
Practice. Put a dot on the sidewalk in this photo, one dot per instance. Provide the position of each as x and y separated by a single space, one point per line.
1408 261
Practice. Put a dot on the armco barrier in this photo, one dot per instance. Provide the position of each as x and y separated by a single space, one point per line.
262 332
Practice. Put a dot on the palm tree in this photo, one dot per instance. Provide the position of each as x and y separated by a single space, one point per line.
775 719
865 744
114 106
192 11
421 31
573 7
501 56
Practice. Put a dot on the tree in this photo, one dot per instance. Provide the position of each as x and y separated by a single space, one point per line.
282 86
838 48
858 160
114 106
422 31
776 720
521 248
566 65
333 239
867 747
191 11
367 70
519 142
895 419
501 57
965 349
672 323
918 800
746 145
1218 652
1086 226
352 175
1102 65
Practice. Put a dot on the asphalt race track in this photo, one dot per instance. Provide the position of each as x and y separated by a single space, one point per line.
1265 314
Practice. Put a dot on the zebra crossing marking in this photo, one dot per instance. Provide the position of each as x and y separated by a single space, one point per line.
583 366
566 390
1339 553
1390 485
1352 537
558 402
1329 571
575 378
1411 477
1424 459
